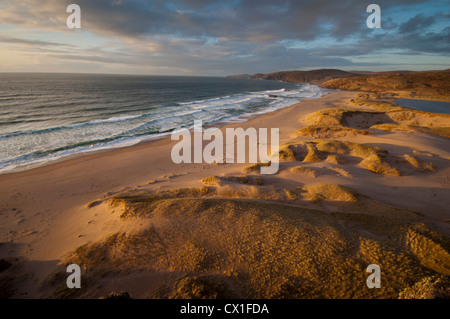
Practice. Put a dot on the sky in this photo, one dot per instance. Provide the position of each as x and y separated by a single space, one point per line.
219 38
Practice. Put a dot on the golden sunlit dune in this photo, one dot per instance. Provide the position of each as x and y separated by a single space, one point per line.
360 181
229 248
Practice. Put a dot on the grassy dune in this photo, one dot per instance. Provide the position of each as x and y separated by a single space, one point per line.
432 85
228 248
338 152
367 114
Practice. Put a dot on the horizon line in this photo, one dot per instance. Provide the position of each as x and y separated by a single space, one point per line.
219 76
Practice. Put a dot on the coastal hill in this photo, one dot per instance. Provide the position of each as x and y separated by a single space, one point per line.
433 85
313 76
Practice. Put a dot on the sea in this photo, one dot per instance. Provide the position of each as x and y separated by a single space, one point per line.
44 117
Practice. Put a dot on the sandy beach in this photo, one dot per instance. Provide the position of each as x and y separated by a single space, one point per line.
224 157
370 188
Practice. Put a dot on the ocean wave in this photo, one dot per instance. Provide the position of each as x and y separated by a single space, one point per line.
32 146
274 91
32 159
115 119
204 101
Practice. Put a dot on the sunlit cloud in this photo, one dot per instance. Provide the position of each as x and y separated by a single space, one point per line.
221 37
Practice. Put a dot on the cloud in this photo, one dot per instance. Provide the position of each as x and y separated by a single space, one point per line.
418 22
239 36
256 21
31 42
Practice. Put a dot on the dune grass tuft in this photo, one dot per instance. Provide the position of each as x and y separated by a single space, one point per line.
418 164
332 192
304 171
378 165
256 167
212 181
433 287
291 195
325 131
335 159
286 153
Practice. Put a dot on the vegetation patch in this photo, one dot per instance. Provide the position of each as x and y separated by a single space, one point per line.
238 248
378 165
304 171
332 192
212 181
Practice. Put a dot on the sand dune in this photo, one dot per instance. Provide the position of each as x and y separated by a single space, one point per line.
351 191
208 247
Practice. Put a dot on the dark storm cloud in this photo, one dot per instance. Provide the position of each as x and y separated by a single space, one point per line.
427 42
258 21
418 22
236 36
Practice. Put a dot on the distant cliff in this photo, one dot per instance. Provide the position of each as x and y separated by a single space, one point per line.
313 76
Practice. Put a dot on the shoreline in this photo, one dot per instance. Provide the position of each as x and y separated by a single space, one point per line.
166 135
149 139
144 147
51 210
85 177
145 139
